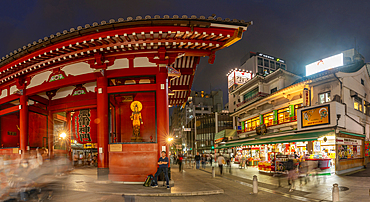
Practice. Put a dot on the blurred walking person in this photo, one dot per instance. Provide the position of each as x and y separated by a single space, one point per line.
197 159
179 160
221 162
204 159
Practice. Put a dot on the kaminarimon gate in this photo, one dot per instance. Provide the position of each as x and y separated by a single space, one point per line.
109 85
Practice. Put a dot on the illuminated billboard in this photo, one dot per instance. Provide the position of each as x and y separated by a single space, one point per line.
324 64
238 77
316 116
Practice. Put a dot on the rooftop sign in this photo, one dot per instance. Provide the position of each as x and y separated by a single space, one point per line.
238 77
271 57
324 64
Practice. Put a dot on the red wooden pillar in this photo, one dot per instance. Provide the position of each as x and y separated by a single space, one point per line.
23 119
50 134
162 109
103 136
68 138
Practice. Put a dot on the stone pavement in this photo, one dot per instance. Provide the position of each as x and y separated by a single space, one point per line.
317 189
191 185
198 185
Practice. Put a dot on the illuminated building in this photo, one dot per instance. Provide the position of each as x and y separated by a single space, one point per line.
325 114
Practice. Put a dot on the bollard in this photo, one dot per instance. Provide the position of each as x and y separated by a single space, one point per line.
255 184
335 193
213 172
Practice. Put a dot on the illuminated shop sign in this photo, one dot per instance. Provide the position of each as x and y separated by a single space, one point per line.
315 116
324 64
238 77
271 57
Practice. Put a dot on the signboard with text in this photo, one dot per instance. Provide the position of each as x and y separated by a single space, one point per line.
315 116
83 126
238 77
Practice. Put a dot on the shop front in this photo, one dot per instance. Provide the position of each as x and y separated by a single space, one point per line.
270 153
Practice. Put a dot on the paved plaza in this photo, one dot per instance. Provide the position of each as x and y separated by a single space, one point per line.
198 185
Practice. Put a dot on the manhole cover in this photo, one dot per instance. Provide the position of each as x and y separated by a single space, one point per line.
341 188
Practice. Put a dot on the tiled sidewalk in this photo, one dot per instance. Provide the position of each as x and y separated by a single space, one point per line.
317 188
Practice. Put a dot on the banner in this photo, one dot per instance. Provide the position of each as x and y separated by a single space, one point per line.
84 129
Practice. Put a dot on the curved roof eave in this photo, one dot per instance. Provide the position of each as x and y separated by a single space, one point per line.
193 21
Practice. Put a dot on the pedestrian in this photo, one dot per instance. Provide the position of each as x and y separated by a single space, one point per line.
163 167
204 161
211 159
197 160
180 157
221 162
292 174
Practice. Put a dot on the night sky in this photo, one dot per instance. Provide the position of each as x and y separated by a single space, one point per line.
301 32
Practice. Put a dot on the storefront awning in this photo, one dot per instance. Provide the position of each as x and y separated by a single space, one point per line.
224 133
299 137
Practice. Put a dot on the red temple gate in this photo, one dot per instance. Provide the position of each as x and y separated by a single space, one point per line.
112 82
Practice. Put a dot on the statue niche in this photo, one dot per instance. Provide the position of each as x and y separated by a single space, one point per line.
137 120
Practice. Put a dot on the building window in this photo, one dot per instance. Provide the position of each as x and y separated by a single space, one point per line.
251 124
260 70
324 97
234 102
268 119
362 82
277 65
273 90
266 63
283 66
272 64
260 61
250 94
234 95
357 104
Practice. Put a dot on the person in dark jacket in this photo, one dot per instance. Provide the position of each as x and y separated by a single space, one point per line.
163 167
197 159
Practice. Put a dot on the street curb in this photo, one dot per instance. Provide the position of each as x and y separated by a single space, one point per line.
196 193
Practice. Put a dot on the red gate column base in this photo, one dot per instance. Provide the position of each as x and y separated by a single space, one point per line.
103 173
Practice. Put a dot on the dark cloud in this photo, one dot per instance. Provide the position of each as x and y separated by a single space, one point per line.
301 32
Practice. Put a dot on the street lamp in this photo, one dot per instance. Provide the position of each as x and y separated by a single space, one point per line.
63 135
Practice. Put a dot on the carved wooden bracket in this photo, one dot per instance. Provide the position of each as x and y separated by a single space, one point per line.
100 62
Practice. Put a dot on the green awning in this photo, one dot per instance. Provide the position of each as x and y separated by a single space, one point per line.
225 133
258 140
354 134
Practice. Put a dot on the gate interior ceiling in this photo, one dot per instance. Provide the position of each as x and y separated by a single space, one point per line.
176 41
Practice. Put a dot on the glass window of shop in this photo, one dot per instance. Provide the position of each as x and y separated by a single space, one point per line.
324 97
283 115
268 119
251 124
358 104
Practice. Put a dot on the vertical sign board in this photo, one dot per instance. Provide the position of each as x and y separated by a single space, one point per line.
306 97
84 127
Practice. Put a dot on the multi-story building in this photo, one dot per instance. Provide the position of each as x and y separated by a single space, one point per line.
325 114
198 104
200 131
250 65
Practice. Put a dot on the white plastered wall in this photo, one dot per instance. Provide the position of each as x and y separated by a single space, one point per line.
119 64
39 79
143 62
77 69
4 93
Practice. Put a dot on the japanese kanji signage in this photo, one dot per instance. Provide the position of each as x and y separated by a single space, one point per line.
83 126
